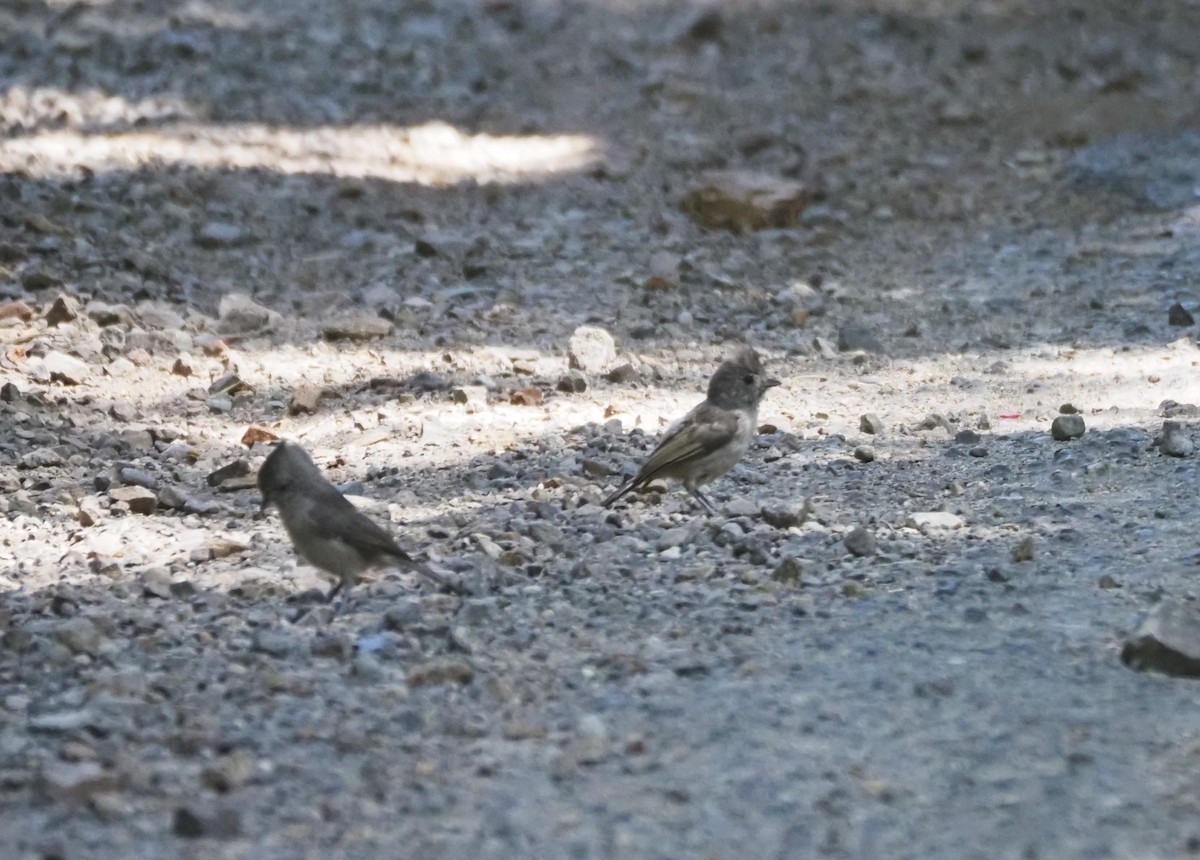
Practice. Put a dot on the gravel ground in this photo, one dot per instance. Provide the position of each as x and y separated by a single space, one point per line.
375 228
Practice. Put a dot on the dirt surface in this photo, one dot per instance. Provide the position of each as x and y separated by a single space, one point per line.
374 226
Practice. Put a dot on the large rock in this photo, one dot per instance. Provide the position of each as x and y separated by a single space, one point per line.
1167 641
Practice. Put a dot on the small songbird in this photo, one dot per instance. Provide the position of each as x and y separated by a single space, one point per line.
709 440
326 529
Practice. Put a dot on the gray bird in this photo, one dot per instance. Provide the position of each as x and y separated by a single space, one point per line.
326 529
707 442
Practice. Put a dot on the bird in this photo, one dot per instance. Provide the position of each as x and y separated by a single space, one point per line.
707 442
327 530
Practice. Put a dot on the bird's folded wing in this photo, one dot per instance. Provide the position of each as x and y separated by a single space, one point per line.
334 517
704 430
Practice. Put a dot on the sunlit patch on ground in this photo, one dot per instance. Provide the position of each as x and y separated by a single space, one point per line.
434 153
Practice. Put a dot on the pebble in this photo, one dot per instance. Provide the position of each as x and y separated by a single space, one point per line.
441 671
1023 551
219 234
63 309
199 820
77 782
474 397
1066 427
358 327
276 643
743 200
740 506
57 366
16 310
622 374
1178 315
89 512
40 458
591 349
672 538
591 742
859 542
785 515
871 424
172 497
477 611
857 337
62 721
925 521
80 635
139 499
789 571
305 399
404 613
238 314
864 454
573 382
1175 441
137 477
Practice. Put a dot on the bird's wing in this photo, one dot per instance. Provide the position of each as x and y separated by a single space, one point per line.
699 433
334 517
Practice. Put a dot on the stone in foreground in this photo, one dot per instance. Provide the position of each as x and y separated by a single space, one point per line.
1167 641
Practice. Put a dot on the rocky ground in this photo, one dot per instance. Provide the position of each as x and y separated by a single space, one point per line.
375 228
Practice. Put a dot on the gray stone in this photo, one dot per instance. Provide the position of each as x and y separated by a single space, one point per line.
1066 427
238 314
864 453
784 515
591 349
573 382
80 635
276 643
200 820
62 721
1167 641
859 542
63 309
934 520
77 782
218 234
1175 440
405 613
139 499
1178 315
673 538
40 458
740 506
359 327
856 337
57 366
871 424
137 477
159 315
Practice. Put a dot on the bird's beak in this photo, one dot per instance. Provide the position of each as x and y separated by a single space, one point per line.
771 383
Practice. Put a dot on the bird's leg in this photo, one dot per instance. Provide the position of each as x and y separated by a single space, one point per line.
696 494
333 592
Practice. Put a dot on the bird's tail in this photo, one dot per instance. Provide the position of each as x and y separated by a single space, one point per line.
403 560
625 490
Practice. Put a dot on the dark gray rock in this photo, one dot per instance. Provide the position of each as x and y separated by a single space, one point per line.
1167 641
1066 427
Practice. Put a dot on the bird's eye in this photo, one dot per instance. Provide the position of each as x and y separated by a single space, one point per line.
748 379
